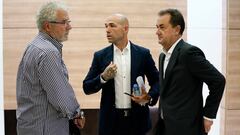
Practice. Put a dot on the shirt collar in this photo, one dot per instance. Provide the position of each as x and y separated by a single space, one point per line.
171 48
57 44
127 48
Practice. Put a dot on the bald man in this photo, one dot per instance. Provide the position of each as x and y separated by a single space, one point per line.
114 70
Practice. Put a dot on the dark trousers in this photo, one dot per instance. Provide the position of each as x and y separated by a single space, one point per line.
124 124
73 129
159 128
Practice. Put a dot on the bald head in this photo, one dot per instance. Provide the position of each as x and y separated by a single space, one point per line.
119 18
117 29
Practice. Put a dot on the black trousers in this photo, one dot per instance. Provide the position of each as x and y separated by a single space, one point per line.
159 128
124 123
73 129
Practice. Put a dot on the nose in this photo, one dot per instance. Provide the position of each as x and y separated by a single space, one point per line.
69 26
157 32
107 29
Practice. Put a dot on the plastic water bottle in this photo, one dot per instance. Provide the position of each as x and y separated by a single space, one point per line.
136 90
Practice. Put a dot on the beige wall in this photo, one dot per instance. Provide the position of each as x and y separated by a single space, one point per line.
230 113
87 36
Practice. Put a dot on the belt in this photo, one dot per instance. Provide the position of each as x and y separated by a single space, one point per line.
123 112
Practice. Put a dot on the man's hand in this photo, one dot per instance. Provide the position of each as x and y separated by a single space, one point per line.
79 122
143 99
207 124
109 72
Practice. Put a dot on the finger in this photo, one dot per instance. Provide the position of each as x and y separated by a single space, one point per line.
143 90
82 122
207 125
206 130
113 73
110 75
111 63
133 98
111 70
79 123
136 98
76 123
114 68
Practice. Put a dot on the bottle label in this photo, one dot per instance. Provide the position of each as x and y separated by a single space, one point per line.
136 90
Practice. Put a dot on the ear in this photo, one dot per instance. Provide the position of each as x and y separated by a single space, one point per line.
46 26
177 29
126 28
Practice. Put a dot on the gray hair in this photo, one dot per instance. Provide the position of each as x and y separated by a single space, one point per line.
48 13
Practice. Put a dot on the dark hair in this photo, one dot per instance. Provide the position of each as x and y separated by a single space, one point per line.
176 18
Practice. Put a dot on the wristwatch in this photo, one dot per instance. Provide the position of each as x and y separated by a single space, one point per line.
78 114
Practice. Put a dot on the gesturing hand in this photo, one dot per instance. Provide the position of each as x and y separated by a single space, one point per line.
109 72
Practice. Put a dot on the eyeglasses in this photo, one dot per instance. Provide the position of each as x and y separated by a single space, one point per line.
65 22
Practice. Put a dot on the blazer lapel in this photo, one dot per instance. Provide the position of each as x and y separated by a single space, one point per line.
108 56
135 61
161 62
172 61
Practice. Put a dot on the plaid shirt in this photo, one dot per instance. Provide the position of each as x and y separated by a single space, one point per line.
45 99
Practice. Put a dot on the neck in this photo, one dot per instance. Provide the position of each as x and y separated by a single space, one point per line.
122 44
167 47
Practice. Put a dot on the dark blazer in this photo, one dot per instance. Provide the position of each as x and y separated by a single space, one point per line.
143 65
181 98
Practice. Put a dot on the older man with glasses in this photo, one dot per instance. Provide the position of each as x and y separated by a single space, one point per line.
45 99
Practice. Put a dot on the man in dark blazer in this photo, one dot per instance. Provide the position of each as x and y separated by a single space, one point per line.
183 70
114 70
